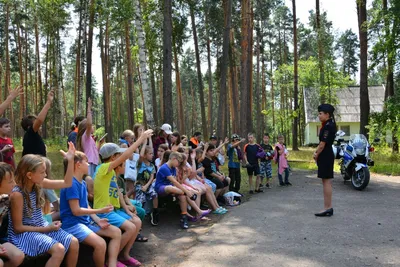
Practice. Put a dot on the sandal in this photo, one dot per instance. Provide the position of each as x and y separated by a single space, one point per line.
131 262
141 238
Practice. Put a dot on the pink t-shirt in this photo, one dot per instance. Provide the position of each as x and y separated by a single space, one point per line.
90 149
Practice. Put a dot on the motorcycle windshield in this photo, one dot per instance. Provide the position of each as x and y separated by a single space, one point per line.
359 143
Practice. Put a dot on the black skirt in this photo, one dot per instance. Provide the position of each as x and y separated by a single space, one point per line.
325 163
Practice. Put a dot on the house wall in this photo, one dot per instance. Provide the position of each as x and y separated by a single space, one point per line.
312 130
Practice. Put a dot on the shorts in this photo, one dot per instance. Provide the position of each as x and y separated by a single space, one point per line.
213 186
92 169
253 170
220 184
81 231
143 197
266 169
116 217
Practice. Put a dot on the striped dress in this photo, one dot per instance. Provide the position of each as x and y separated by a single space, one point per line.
34 243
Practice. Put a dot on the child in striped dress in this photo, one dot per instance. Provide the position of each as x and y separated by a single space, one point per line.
28 231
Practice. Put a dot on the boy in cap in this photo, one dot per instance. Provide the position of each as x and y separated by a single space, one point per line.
106 192
235 156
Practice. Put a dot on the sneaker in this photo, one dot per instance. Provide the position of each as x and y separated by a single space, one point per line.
261 186
154 218
287 183
184 222
281 184
267 186
251 192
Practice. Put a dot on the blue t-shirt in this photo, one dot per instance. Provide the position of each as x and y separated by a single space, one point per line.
162 174
78 190
234 161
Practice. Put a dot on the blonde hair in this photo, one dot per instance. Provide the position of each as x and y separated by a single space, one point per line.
29 163
81 131
48 167
127 133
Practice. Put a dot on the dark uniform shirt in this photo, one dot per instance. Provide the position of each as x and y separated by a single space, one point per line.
326 158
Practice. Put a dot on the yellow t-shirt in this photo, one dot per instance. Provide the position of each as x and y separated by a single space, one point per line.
105 187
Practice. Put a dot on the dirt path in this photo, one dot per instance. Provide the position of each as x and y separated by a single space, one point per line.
278 228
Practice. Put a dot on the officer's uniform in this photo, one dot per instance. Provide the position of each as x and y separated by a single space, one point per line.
326 158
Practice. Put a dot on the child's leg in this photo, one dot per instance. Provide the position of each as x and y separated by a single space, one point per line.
1 263
195 206
287 175
211 199
71 258
14 255
127 238
258 181
99 248
56 252
238 179
114 234
232 174
251 182
182 203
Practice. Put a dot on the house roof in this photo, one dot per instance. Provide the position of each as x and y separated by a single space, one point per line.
348 103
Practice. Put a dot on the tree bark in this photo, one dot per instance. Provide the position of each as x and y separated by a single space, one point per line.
258 131
364 96
147 96
234 88
295 145
320 53
181 122
221 130
89 51
199 74
210 80
167 110
131 89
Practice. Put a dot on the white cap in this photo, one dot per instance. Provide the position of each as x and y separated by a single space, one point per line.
166 128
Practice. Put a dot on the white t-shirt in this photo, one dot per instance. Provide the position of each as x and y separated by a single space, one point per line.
158 161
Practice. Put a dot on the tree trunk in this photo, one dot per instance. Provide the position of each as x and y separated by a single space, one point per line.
364 96
147 96
272 85
21 71
77 80
210 81
89 51
7 72
295 145
181 123
234 88
221 130
246 69
320 53
131 89
199 74
258 131
263 98
39 72
167 110
58 71
153 93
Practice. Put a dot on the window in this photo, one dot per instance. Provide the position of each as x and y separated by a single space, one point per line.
346 129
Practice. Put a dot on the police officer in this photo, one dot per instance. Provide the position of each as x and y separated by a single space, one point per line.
324 155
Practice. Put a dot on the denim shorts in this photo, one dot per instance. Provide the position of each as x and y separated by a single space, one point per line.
81 231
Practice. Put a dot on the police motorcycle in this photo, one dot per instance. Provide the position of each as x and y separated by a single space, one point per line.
354 158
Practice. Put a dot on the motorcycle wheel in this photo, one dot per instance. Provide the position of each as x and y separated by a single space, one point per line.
360 179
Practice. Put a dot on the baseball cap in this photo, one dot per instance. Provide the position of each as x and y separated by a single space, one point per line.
109 149
166 128
213 137
235 136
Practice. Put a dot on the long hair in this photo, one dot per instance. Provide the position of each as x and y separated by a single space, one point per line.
136 128
81 131
4 169
178 138
29 163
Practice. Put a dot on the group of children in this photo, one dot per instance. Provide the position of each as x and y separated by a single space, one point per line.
109 188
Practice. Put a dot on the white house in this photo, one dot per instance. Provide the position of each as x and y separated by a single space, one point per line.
347 110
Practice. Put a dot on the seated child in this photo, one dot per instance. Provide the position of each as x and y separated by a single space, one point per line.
27 229
51 195
145 182
160 154
167 184
8 252
81 221
106 191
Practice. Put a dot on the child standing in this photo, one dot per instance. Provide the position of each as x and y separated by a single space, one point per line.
106 191
82 222
265 164
27 229
250 157
280 158
235 156
33 143
145 182
6 144
85 141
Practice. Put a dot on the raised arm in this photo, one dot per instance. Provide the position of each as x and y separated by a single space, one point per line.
43 113
130 150
226 141
13 94
89 118
67 182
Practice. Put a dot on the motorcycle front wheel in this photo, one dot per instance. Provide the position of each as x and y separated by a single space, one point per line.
360 179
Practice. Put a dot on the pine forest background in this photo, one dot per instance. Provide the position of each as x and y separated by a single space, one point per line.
259 59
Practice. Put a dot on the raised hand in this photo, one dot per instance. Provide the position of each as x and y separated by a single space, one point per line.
19 90
242 140
193 155
146 134
226 141
50 96
71 151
